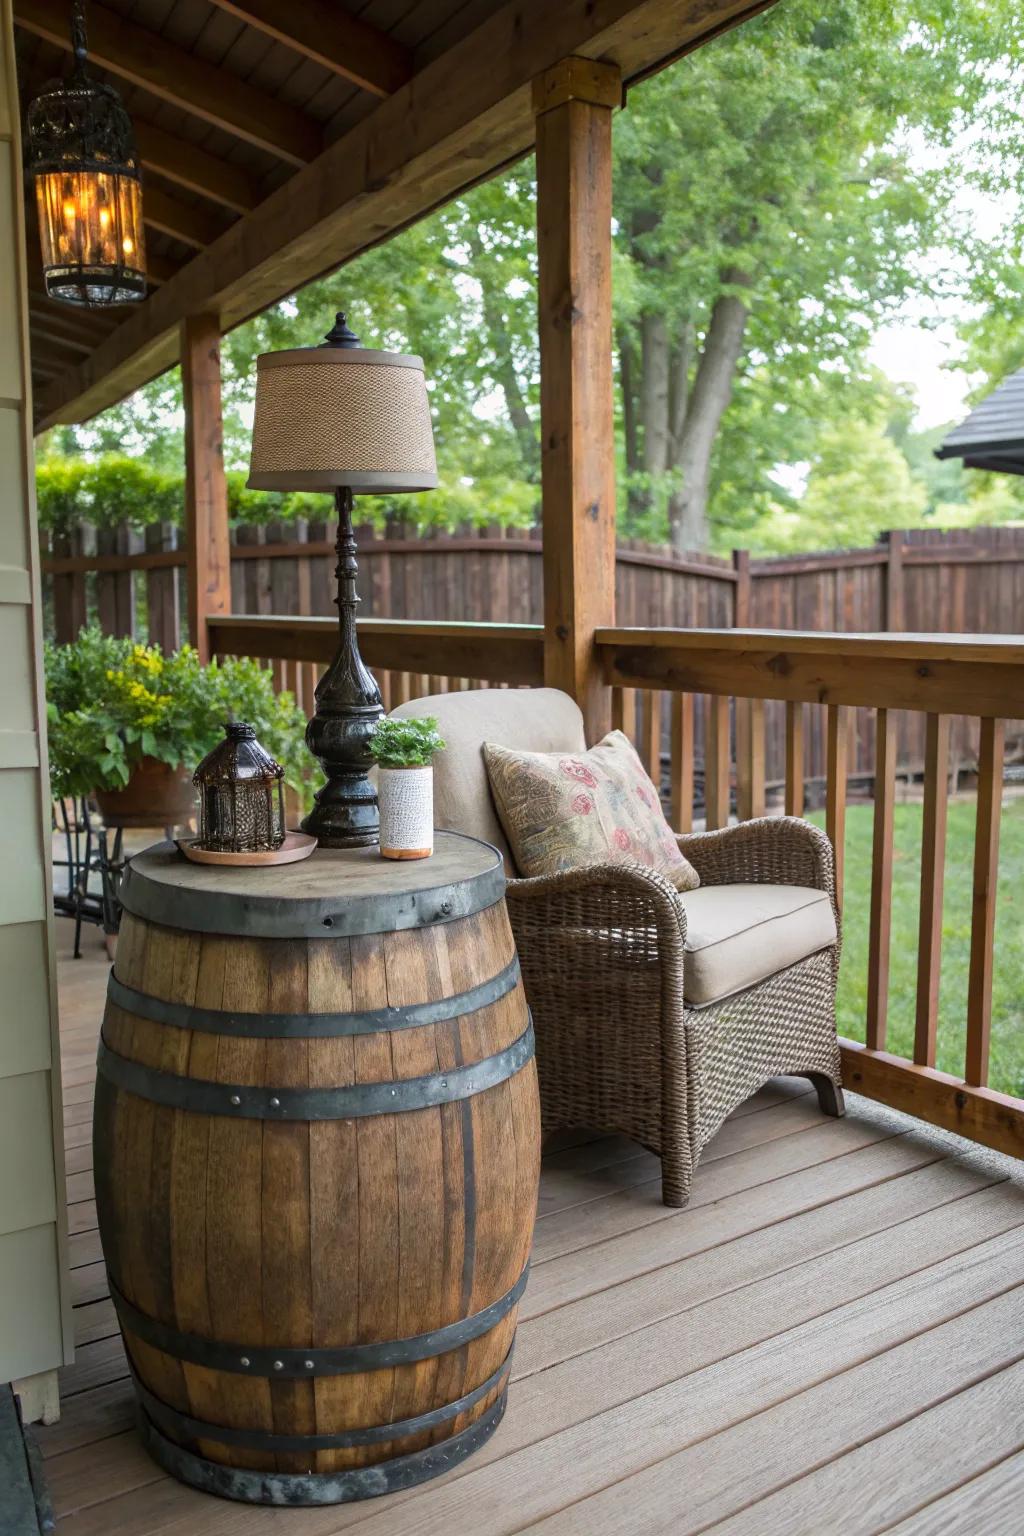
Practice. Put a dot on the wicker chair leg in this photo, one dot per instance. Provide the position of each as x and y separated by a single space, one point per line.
676 1178
830 1095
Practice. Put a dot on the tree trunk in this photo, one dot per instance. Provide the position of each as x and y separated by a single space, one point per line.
505 372
630 422
654 392
712 390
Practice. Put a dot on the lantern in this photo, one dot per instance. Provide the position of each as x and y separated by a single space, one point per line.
81 151
241 795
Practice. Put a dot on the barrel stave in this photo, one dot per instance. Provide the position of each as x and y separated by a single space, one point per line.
318 1233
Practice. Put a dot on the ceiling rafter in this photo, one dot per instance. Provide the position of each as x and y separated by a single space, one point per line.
332 37
199 87
194 168
192 224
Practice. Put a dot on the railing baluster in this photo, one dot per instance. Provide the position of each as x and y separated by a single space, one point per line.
837 757
881 880
681 760
617 710
652 735
794 759
627 712
750 759
399 689
983 903
933 861
716 762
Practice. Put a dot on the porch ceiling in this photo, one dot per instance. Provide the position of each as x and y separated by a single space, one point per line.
281 140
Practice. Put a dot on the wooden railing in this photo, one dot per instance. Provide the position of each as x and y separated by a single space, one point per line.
661 678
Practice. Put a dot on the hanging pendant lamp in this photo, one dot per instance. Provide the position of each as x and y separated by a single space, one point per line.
81 151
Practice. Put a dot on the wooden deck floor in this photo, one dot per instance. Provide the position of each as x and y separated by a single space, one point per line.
830 1338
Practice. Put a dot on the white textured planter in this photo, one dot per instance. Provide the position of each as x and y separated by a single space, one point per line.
406 799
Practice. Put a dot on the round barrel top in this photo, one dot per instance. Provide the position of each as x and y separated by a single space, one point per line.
336 892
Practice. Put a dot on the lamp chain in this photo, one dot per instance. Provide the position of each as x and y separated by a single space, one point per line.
78 38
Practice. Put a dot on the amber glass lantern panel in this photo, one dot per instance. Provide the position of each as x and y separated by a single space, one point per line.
91 234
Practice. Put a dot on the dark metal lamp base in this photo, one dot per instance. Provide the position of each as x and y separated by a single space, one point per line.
348 707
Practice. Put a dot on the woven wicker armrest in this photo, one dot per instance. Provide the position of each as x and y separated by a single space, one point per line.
609 897
773 850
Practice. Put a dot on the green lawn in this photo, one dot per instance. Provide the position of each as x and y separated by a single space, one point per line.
1007 1069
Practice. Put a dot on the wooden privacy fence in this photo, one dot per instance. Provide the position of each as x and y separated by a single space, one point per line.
964 581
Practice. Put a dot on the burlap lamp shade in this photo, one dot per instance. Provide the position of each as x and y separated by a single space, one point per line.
345 418
341 416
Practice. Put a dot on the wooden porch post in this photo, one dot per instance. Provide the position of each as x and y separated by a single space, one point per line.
573 104
206 494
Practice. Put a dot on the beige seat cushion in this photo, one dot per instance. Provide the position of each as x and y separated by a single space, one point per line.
737 935
534 719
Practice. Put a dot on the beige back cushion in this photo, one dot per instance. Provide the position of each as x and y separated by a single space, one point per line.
529 719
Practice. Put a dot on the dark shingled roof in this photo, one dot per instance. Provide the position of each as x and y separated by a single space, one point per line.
992 437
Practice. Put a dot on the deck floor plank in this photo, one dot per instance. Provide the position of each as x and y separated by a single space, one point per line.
838 1301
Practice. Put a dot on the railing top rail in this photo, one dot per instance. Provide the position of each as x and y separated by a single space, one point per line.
881 645
981 675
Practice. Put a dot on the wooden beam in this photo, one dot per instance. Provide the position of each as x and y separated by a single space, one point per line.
194 225
145 59
206 494
944 674
194 168
574 104
494 653
462 117
331 37
994 1119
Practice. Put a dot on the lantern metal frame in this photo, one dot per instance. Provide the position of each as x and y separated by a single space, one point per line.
78 127
240 776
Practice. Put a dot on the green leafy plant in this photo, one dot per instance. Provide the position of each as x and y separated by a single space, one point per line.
405 743
111 702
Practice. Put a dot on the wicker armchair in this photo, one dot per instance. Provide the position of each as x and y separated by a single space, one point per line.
606 964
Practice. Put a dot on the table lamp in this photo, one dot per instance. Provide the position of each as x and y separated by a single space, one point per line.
344 418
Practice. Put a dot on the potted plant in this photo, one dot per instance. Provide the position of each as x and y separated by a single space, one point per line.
403 751
127 724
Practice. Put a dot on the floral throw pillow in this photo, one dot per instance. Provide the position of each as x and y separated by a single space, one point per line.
561 810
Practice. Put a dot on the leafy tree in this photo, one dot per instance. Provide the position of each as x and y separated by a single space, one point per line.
772 215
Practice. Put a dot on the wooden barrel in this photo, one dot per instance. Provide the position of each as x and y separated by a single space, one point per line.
316 1151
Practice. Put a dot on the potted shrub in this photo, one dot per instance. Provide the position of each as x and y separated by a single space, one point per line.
403 751
127 725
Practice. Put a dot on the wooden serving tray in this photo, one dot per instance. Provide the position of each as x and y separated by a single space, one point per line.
296 846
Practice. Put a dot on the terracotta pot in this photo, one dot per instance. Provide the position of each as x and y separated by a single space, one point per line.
406 800
155 796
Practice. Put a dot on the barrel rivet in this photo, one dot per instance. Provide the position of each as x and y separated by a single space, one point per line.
309 1364
275 1103
278 1365
244 1361
235 1099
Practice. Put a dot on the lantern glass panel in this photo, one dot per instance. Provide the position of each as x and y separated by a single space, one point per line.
91 233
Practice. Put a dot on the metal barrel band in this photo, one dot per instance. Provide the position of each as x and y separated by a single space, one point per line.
312 1026
215 910
295 1489
309 1362
181 1425
351 1102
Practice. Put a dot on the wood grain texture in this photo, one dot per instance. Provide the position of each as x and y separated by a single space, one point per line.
206 494
933 869
681 748
574 302
983 900
794 759
717 760
880 915
309 1234
837 768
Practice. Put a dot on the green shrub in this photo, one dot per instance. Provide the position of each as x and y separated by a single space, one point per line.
111 702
